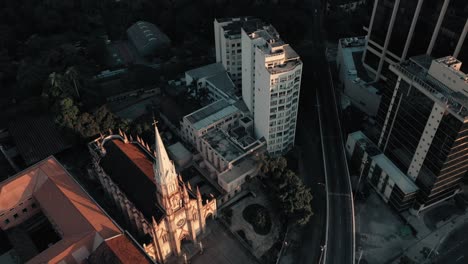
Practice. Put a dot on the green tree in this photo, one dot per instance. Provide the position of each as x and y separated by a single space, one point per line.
66 113
87 126
292 194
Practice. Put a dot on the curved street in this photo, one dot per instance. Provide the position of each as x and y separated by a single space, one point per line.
319 125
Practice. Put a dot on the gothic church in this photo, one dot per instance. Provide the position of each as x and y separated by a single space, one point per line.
159 209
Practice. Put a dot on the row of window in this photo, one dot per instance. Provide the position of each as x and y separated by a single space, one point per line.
16 216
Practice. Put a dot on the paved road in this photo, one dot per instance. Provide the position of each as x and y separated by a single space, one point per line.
340 237
454 248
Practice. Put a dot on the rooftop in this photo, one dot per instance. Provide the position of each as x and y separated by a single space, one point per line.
117 250
222 144
365 143
78 219
352 50
206 71
211 114
131 168
233 29
147 37
223 82
238 169
417 70
36 138
400 179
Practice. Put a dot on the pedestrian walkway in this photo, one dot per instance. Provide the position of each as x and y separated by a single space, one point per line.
429 242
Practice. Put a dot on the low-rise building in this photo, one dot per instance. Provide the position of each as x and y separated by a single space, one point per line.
394 186
147 38
222 134
354 76
47 217
215 79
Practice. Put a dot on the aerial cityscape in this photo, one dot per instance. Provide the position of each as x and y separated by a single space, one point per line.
234 131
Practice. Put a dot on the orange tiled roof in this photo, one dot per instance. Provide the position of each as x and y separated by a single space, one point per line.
81 222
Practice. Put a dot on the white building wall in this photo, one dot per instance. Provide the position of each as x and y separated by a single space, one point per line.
262 98
247 70
425 141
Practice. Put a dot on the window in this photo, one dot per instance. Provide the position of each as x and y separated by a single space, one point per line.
25 210
33 205
7 221
15 216
164 238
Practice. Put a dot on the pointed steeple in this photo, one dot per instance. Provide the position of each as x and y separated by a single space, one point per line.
125 138
198 194
131 138
164 170
186 196
189 186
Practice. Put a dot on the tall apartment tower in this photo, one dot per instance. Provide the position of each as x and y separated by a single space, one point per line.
269 72
400 29
271 79
424 128
227 33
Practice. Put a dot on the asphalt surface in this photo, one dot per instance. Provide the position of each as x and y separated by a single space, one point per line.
454 248
329 162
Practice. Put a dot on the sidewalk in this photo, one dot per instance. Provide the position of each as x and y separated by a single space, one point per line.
431 241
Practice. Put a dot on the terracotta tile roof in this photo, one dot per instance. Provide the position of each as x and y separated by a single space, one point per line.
36 138
79 220
118 250
131 168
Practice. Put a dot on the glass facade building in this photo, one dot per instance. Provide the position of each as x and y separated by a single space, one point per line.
400 29
424 130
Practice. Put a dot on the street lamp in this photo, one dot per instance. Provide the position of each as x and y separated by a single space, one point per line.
322 249
363 165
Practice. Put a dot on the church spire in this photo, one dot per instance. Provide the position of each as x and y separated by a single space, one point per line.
164 170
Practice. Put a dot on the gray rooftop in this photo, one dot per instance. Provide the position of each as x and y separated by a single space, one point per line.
222 82
206 71
222 144
211 114
147 37
240 167
417 69
400 179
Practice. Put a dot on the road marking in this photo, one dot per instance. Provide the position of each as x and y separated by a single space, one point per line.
340 194
459 258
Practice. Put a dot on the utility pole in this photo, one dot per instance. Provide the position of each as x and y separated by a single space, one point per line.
359 180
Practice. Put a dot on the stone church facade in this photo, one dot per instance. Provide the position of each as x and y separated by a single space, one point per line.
158 208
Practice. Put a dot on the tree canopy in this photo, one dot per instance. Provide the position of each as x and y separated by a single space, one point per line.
292 194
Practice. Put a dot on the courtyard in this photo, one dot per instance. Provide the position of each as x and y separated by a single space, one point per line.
254 220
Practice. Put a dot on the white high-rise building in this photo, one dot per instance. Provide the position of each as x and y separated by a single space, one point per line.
228 44
269 72
271 79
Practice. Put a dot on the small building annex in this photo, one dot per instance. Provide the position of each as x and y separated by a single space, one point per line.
147 38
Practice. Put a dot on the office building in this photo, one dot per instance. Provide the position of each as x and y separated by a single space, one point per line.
271 80
401 29
424 125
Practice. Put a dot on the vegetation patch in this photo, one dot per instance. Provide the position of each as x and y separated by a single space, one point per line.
258 217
